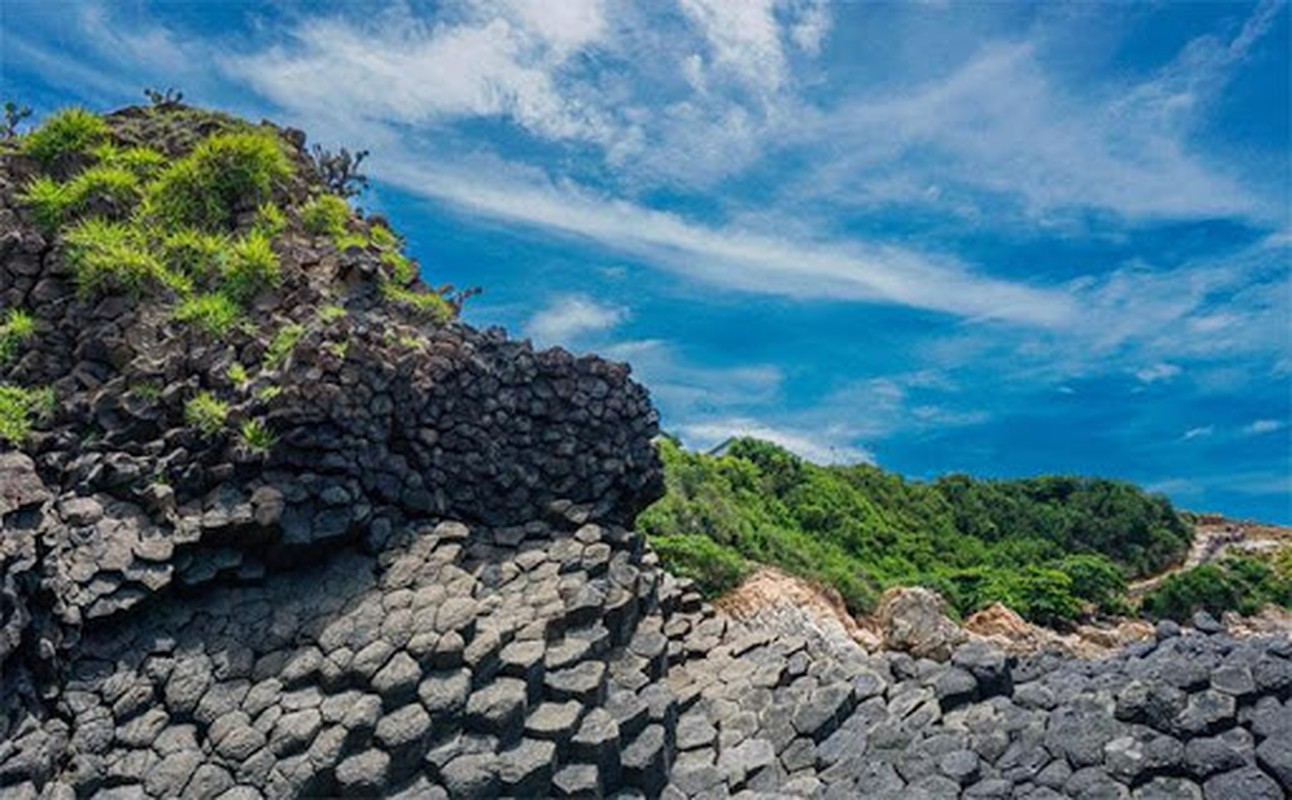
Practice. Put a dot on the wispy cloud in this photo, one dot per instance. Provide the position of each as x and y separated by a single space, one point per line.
1157 372
819 446
1201 432
1262 426
566 318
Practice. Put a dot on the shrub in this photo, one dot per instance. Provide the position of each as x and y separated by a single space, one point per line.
47 199
428 305
102 185
18 327
113 256
225 173
252 267
1096 580
282 344
256 436
206 413
71 130
142 162
14 114
339 171
18 405
194 253
214 314
327 215
714 568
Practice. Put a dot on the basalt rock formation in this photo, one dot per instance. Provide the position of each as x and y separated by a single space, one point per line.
426 582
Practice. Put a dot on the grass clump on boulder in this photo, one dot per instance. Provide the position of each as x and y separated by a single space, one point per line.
206 413
18 327
115 256
213 313
224 175
18 405
72 130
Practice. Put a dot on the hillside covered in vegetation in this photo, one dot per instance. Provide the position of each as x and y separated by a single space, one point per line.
1051 547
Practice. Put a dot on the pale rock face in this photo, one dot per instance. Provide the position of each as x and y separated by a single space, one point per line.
914 619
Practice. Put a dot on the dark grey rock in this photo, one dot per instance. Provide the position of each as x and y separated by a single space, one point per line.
1248 783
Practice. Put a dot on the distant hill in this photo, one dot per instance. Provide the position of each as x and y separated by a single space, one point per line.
1051 547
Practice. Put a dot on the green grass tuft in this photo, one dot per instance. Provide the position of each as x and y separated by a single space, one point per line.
109 187
18 406
195 253
47 199
115 256
331 313
282 344
428 305
18 327
402 269
252 267
224 173
206 413
326 215
270 220
257 437
71 130
238 374
215 314
142 162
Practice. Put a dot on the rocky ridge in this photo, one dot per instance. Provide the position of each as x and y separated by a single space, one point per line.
429 585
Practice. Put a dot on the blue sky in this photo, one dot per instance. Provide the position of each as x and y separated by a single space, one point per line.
1001 239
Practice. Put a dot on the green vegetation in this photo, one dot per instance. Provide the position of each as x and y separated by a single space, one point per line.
256 436
188 251
18 406
1239 583
224 173
327 215
215 314
18 327
1048 547
115 256
331 313
206 413
238 374
714 568
72 130
267 393
282 344
429 305
251 267
270 220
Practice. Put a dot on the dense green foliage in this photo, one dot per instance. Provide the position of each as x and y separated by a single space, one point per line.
224 173
1048 547
206 413
1236 583
16 327
715 568
69 131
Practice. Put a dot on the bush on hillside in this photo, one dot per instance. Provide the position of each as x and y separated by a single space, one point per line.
714 568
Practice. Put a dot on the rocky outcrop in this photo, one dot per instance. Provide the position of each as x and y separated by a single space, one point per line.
427 585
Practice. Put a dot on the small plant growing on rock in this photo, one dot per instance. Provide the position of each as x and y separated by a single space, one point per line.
108 189
14 115
195 253
267 393
252 267
282 344
142 162
206 413
18 407
214 314
256 436
270 220
428 305
326 215
72 130
224 173
18 327
339 171
166 100
148 390
111 255
238 374
331 313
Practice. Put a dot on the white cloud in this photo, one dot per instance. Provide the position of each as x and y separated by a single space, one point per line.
818 446
502 60
737 258
566 318
687 390
1157 372
1199 433
1261 426
744 37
